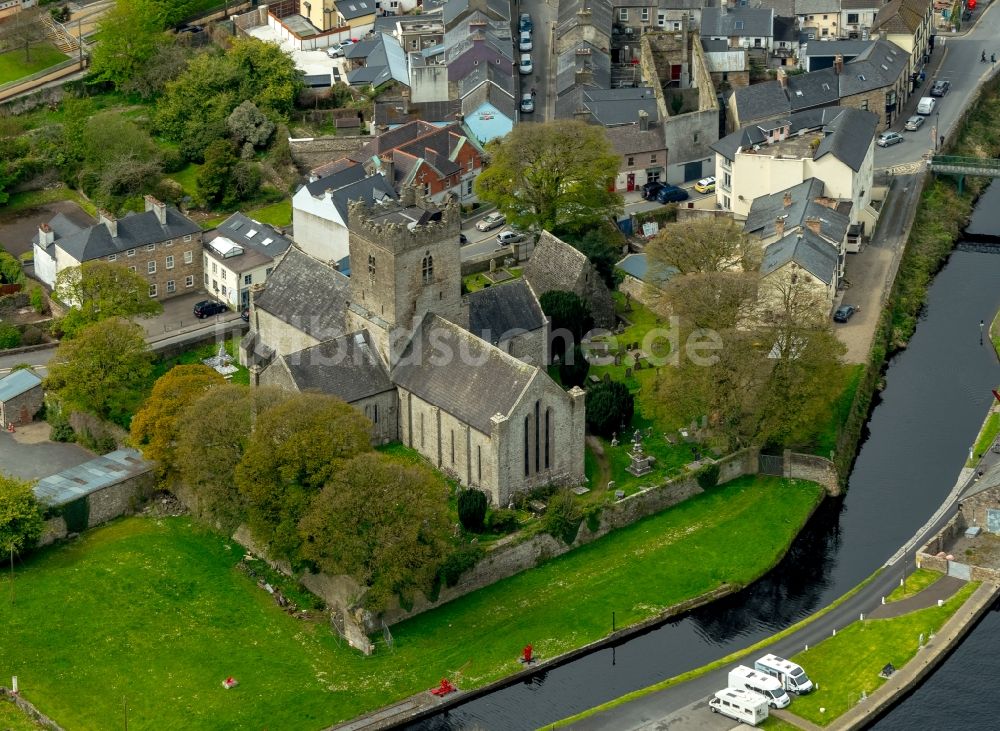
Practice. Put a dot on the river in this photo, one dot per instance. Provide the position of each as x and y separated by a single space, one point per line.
936 395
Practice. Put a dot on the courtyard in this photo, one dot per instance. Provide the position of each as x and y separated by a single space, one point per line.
29 455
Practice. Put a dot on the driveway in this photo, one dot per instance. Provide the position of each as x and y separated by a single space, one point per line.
29 455
16 231
178 313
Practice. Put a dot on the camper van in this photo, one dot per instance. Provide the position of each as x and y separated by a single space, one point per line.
926 105
740 705
792 677
761 683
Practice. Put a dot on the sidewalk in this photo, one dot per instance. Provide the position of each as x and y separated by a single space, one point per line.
942 589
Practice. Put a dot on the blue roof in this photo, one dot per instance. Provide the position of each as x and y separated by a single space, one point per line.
487 122
17 383
637 266
89 477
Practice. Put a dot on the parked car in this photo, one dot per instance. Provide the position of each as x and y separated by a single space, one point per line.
527 103
505 238
650 189
941 87
672 194
207 308
914 122
887 139
705 185
926 105
462 239
335 51
524 23
491 221
844 313
524 44
525 66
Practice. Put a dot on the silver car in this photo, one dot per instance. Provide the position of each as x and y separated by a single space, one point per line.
914 122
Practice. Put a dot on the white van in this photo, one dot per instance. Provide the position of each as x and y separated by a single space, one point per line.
792 677
739 704
761 683
926 105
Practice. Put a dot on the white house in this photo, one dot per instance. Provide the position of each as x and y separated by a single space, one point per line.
239 254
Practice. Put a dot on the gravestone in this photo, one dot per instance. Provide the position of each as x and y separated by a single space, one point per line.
628 372
493 265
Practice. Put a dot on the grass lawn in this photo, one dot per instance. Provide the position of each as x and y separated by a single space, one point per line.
850 663
773 723
277 214
825 440
12 719
991 427
197 355
13 66
153 609
915 583
20 202
476 282
187 178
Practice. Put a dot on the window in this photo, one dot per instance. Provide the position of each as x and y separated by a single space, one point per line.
644 15
268 272
630 162
623 14
150 247
171 287
248 279
206 261
661 19
170 262
453 446
169 242
224 293
479 463
826 31
112 257
189 280
427 269
695 136
852 18
152 290
472 163
215 286
652 158
421 430
188 257
151 267
206 279
864 104
187 237
131 269
824 17
538 436
375 409
414 44
468 187
527 462
130 252
224 273
427 188
215 269
548 431
371 268
738 25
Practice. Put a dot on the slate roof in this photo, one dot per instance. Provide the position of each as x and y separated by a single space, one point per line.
611 107
348 367
89 477
628 139
385 60
335 175
353 9
849 133
807 250
740 21
306 293
456 9
368 188
601 15
811 7
477 381
394 112
637 265
860 4
989 481
569 99
554 264
495 74
765 209
759 101
900 16
500 310
134 230
242 243
877 66
17 383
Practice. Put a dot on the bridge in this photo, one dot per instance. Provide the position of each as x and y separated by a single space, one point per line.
962 166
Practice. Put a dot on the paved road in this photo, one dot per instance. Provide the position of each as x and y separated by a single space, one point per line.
543 15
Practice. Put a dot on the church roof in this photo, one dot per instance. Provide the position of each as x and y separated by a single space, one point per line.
454 370
348 367
306 293
554 264
495 312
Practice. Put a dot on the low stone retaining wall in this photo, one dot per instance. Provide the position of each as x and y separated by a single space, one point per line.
29 709
813 468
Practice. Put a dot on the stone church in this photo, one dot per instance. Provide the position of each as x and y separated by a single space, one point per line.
461 380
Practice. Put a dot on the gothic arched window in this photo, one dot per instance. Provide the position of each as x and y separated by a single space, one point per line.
427 269
371 267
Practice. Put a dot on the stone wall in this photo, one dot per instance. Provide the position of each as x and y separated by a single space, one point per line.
22 409
113 501
28 709
815 469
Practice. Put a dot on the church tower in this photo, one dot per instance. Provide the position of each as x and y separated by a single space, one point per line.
405 262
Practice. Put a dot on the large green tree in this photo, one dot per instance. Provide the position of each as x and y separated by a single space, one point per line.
570 315
21 521
716 244
100 289
551 175
382 522
104 370
131 32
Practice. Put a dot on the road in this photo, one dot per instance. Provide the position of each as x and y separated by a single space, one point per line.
955 59
543 16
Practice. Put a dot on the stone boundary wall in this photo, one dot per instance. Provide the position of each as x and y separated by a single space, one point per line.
927 557
29 709
813 468
113 501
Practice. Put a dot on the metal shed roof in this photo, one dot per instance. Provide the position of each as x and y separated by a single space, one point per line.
16 383
89 477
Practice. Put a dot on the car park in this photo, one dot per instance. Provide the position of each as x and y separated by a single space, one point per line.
526 66
914 122
650 189
527 103
940 88
887 139
208 308
705 185
524 44
844 313
491 221
672 194
524 23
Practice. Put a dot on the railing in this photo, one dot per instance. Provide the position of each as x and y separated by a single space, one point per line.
970 164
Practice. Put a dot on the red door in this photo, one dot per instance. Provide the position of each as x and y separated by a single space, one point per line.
630 182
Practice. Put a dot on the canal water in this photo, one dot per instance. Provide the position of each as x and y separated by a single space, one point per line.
936 395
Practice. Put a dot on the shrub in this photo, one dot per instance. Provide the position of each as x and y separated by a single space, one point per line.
708 476
573 370
31 336
472 509
593 517
10 336
37 300
502 520
61 431
562 517
610 405
458 562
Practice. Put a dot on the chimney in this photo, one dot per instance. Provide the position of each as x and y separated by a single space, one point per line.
582 115
108 220
408 195
154 205
787 200
782 78
838 64
45 235
779 227
388 168
583 16
584 77
813 223
643 120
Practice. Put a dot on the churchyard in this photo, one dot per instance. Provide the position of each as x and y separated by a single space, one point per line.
163 616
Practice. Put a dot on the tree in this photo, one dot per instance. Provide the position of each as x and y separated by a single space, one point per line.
168 61
709 300
472 506
598 246
551 175
296 448
610 406
117 158
24 30
248 124
573 371
215 177
705 245
7 177
104 370
131 32
381 521
156 427
21 521
570 314
11 271
100 289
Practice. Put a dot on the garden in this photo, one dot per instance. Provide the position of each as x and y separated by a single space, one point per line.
13 65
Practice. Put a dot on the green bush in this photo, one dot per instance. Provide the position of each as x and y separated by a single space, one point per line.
37 300
562 517
61 430
31 336
502 520
593 517
10 336
708 476
610 406
573 370
458 562
472 509
76 514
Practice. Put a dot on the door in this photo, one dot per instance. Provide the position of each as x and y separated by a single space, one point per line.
630 182
692 170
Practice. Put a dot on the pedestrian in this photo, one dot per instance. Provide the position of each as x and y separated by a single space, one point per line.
982 58
532 92
993 59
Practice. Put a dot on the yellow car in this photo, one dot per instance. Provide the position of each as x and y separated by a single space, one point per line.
705 185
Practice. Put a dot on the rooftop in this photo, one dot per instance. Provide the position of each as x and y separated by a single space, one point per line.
18 382
89 477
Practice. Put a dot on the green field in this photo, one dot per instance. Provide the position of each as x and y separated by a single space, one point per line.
153 610
14 67
13 719
849 664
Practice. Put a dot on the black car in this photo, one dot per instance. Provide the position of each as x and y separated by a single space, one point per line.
650 189
671 194
844 312
940 88
207 308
